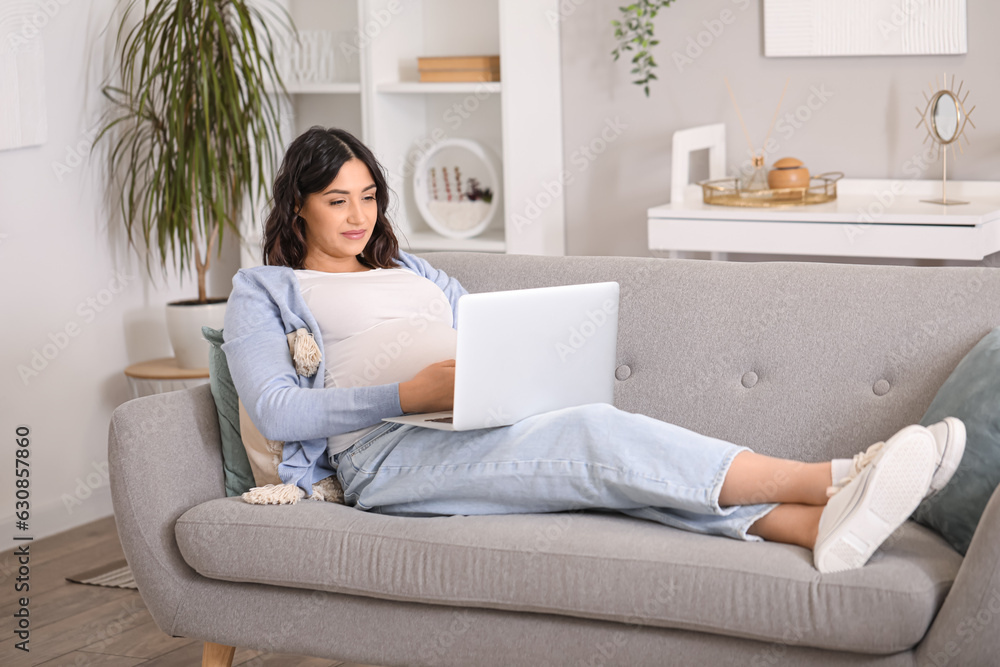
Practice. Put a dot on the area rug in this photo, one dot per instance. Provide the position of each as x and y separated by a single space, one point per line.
112 575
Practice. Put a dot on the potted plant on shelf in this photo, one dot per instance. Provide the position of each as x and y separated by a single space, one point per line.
194 132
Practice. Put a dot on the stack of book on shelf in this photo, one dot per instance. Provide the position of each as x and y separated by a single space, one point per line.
459 68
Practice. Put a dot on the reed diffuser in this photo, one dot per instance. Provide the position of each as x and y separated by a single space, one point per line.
757 178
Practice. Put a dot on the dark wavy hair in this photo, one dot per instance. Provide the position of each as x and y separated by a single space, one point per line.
310 164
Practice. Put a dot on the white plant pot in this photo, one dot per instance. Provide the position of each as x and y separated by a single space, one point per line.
184 322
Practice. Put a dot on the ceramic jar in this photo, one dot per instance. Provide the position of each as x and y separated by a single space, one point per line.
788 172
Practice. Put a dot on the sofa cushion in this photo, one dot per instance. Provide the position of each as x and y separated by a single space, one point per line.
235 465
591 564
264 454
971 393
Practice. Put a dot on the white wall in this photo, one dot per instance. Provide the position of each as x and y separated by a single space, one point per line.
864 127
56 253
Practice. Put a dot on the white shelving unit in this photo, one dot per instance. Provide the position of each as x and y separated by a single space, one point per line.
382 102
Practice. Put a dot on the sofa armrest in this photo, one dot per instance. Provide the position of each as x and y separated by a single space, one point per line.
966 630
164 456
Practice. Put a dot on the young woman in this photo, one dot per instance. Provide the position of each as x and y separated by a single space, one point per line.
382 321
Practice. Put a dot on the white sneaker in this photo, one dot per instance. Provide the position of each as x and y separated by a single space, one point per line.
866 511
949 435
949 438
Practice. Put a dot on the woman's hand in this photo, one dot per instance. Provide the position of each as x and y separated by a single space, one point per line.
430 390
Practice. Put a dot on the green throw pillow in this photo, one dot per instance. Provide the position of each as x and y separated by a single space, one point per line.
239 477
971 393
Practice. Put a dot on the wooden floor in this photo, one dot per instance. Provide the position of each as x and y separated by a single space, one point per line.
73 625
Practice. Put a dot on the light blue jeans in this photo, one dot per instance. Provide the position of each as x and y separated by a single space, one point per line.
593 456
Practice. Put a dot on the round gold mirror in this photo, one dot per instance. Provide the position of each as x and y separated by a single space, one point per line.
946 117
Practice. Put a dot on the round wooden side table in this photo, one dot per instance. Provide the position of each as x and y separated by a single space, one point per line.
158 376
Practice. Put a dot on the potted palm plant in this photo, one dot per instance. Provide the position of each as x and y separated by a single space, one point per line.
193 133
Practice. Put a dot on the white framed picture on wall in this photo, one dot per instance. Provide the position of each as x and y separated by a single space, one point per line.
864 27
22 77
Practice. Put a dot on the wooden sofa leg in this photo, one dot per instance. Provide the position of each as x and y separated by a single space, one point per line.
217 655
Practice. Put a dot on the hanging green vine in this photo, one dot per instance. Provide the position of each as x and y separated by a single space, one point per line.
635 32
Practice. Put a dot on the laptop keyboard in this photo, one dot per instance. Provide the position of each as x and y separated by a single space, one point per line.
446 420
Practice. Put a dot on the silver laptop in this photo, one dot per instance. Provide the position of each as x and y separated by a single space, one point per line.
523 352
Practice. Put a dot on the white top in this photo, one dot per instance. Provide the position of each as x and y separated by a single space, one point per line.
380 326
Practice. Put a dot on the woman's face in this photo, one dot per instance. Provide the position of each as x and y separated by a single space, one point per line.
340 220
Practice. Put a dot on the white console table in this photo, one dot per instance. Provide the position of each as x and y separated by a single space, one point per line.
869 218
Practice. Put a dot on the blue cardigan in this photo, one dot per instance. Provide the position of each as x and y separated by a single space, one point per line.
265 305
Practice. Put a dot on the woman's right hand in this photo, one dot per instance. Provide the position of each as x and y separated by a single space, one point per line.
430 390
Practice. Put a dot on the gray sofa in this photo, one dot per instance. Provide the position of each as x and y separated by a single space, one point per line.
808 361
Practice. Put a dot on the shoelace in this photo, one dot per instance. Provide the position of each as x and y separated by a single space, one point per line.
858 463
